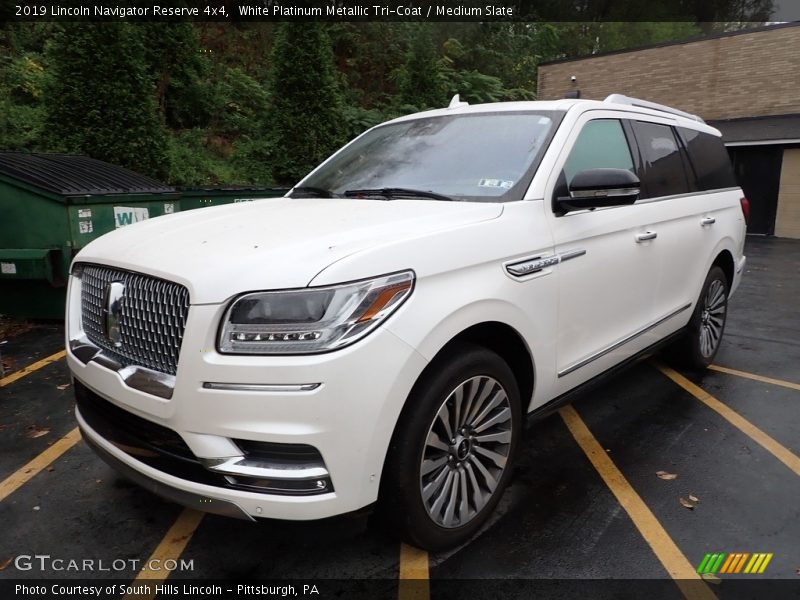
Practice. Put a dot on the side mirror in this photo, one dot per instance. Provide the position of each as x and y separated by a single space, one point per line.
596 188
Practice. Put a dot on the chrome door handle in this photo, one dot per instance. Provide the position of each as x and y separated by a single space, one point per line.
707 221
647 235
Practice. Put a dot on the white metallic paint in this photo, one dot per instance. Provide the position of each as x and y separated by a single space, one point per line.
458 252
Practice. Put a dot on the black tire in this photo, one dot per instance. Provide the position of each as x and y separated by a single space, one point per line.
698 345
474 370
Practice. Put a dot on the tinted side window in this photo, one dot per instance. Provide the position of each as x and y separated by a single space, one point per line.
600 144
662 166
710 160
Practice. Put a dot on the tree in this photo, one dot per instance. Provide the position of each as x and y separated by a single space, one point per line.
421 83
305 122
101 99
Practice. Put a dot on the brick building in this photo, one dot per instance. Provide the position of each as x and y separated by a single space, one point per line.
746 84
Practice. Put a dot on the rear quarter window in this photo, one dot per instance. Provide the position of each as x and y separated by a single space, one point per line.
709 159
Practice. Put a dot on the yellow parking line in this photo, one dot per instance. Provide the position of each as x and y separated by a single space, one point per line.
414 577
779 451
677 565
170 549
31 368
20 477
754 377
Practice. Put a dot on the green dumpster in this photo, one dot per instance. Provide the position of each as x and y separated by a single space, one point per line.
199 197
51 206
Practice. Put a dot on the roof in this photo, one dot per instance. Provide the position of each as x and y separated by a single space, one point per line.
613 102
691 40
69 175
489 107
760 130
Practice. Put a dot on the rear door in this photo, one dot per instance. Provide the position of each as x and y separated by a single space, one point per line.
677 216
687 179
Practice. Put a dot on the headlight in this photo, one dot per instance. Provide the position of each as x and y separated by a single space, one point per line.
311 320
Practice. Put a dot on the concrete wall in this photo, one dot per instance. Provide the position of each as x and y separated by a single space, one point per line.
745 75
787 221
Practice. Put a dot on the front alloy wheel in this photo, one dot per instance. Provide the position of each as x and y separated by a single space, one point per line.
452 451
466 451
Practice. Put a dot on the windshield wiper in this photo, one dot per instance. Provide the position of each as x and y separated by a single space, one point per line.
396 192
309 191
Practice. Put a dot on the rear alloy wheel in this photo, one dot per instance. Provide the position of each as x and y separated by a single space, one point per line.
453 449
699 344
712 318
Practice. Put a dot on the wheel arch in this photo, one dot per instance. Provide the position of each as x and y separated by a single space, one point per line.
724 260
506 342
502 339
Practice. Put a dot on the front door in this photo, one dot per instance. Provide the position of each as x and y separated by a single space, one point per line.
608 272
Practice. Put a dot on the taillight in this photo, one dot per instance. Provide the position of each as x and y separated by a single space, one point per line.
745 209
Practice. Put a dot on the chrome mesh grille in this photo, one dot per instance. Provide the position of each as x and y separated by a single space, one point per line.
151 320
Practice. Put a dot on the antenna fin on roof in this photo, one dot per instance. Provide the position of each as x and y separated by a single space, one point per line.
456 102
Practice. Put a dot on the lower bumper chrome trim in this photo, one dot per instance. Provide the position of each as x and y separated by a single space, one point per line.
240 465
261 387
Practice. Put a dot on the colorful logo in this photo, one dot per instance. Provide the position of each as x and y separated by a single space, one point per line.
734 563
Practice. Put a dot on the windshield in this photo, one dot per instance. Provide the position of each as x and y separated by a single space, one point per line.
488 157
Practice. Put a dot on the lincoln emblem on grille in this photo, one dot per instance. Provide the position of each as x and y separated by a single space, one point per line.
113 305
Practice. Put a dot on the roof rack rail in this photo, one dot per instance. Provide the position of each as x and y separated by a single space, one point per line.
622 99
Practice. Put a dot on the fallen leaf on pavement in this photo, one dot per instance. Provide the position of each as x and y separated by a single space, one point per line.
686 504
5 563
665 475
694 498
35 432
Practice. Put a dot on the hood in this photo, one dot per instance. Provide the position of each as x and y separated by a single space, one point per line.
274 243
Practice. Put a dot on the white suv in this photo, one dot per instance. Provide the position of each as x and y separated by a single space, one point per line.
382 331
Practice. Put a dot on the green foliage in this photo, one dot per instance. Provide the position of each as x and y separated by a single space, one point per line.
100 100
421 79
25 78
617 36
240 103
305 122
251 161
179 70
20 125
357 120
263 103
194 162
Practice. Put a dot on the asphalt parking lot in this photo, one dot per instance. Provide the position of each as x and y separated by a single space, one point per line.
637 481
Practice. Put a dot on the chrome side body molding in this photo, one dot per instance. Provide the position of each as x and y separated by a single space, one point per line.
623 341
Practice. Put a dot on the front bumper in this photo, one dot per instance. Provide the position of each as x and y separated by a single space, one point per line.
175 493
349 417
